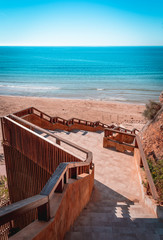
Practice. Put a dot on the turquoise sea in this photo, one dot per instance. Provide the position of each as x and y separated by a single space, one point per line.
132 74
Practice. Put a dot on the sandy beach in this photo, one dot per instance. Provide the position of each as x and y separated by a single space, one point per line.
125 114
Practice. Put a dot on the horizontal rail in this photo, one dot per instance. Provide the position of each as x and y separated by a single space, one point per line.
31 125
62 120
13 210
147 170
57 176
119 132
71 121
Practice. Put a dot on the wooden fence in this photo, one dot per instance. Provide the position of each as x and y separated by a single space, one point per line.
43 120
30 161
121 140
142 162
126 141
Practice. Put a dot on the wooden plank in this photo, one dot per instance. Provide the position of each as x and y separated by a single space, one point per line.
11 211
147 170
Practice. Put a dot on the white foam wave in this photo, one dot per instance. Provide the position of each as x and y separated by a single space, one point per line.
117 99
30 87
100 89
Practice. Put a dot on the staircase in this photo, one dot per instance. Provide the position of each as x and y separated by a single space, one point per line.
116 210
111 216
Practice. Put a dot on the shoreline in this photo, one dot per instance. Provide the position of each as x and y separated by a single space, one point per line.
81 108
77 99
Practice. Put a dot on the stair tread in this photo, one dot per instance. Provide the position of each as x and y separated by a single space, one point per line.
110 236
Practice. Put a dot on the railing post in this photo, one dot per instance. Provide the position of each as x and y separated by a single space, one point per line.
66 177
31 110
58 141
44 212
74 172
51 119
60 186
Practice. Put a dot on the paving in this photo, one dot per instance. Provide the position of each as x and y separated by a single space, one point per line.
115 210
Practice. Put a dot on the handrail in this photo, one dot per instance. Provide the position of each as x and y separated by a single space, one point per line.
120 132
71 120
42 200
11 211
55 183
31 125
146 168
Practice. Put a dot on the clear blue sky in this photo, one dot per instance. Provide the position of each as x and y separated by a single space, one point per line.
81 23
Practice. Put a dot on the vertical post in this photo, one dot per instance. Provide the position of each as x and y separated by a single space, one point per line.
44 212
66 177
58 141
141 163
51 119
2 124
30 110
60 186
74 172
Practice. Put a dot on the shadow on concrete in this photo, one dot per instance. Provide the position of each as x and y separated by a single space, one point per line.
109 215
126 152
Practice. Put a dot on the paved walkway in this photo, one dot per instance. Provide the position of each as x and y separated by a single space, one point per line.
115 210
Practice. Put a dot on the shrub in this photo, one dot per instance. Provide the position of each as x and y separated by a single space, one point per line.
151 109
3 189
156 170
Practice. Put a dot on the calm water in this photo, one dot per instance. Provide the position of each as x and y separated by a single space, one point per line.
133 74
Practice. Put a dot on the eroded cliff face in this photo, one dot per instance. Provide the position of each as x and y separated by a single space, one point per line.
152 136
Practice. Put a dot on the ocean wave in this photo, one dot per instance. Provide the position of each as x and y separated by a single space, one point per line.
30 87
117 99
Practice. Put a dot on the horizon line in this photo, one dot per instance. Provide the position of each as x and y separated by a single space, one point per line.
81 46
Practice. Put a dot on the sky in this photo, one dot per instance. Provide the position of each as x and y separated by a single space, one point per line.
81 23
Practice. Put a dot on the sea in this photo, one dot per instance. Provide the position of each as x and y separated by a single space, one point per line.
124 74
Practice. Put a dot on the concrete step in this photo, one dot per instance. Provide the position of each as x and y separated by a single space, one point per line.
110 236
132 228
135 211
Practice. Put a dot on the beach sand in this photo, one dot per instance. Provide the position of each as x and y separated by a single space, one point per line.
124 114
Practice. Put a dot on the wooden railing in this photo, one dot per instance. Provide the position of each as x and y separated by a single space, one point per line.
126 140
114 136
60 120
55 184
42 201
57 138
141 159
60 176
117 136
121 140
